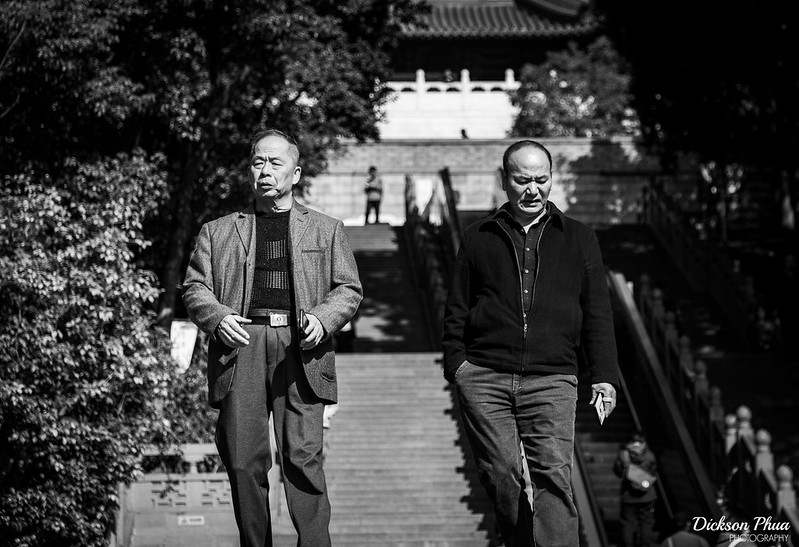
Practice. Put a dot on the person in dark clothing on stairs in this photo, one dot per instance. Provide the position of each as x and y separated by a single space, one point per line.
528 292
374 195
638 496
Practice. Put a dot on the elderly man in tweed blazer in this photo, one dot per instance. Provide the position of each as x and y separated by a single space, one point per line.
271 285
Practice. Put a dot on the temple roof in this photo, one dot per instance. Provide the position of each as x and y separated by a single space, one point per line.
504 19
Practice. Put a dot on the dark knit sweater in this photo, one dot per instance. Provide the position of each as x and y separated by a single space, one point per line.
271 283
570 307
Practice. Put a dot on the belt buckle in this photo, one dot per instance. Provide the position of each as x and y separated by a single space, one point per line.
278 320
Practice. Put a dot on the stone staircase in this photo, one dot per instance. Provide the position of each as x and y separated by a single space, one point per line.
397 470
391 317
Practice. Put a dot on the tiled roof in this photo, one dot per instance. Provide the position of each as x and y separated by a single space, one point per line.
503 19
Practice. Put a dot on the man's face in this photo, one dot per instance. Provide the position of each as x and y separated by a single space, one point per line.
273 170
527 182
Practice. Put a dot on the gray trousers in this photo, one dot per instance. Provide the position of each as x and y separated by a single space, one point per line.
269 377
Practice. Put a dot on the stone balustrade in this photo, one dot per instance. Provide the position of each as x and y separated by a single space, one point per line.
739 459
449 109
706 267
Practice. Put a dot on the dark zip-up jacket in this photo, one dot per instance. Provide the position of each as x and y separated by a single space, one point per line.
484 322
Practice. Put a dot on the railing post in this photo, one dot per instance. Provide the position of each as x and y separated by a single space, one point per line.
730 433
716 408
658 311
764 459
670 338
686 355
644 293
744 416
786 495
701 383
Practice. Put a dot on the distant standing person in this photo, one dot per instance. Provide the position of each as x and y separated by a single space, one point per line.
637 500
528 292
374 194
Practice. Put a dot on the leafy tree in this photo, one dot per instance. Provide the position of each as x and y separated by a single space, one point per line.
124 122
191 80
83 368
578 92
714 79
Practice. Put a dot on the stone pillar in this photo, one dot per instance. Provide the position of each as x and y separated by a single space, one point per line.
786 495
764 459
510 79
745 430
420 82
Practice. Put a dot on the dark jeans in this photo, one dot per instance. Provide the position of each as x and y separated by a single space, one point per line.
638 524
269 377
375 206
501 408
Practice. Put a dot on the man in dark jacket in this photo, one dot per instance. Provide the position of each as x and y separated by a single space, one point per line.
528 292
637 500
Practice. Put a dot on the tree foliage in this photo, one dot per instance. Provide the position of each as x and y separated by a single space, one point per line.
713 78
578 92
191 80
83 367
125 122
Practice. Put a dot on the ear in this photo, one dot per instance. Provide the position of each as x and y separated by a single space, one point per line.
297 175
502 178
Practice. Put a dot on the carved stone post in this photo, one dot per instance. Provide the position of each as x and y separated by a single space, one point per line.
701 383
686 356
764 459
716 408
745 430
731 432
658 311
670 337
786 495
644 292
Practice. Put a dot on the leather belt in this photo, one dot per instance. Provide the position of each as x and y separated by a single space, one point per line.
271 317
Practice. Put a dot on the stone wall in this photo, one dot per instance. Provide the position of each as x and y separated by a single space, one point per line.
595 181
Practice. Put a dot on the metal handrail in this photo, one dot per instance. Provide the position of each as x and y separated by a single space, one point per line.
653 371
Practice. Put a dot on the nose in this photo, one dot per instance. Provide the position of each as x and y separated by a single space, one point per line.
266 169
531 189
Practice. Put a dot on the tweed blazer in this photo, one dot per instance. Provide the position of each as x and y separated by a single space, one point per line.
219 282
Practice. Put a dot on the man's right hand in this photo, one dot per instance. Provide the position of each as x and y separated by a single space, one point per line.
231 333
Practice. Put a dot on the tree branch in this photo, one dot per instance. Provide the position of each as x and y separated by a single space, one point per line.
10 47
7 110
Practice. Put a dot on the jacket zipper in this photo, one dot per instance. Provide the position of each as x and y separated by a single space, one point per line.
521 282
521 292
537 263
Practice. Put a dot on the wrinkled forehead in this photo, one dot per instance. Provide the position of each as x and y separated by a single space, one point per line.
272 146
529 160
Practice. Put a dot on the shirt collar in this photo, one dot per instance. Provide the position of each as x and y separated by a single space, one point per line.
505 212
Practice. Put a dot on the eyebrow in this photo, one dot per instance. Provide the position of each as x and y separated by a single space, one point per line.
268 157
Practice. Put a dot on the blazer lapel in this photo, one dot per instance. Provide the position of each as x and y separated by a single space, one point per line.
298 224
245 228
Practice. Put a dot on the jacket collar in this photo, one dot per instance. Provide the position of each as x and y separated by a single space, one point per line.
245 225
558 218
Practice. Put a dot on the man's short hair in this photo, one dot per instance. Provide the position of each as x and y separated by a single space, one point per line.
518 145
260 134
